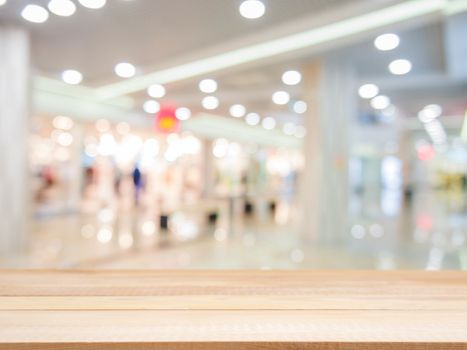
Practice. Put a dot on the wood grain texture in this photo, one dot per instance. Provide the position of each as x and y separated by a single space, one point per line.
233 310
237 346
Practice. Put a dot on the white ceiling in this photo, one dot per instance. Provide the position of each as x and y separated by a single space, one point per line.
146 32
427 83
151 33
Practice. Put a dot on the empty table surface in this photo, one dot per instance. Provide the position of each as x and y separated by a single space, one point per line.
233 310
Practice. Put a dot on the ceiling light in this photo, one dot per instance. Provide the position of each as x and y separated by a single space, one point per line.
380 102
387 42
183 113
300 131
93 4
208 86
151 106
268 123
434 110
252 9
65 139
125 70
389 112
436 131
104 235
237 111
72 77
314 37
300 107
156 91
252 118
429 113
123 128
400 67
210 102
63 8
2 2
35 14
368 91
424 117
289 128
281 97
62 122
291 77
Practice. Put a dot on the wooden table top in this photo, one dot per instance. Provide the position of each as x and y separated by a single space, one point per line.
233 310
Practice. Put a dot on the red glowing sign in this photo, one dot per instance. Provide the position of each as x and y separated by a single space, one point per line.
166 121
425 152
424 222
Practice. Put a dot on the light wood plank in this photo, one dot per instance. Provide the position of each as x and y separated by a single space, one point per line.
237 346
206 301
249 326
233 310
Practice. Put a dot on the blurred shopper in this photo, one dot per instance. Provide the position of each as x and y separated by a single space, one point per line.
49 179
138 183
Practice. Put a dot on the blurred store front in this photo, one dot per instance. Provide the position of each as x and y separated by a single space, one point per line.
310 134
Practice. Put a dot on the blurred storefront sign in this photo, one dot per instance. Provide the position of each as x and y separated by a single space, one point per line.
166 122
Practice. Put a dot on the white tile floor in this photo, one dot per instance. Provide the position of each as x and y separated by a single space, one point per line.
429 233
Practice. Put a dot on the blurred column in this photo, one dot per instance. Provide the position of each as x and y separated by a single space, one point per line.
14 128
329 92
261 190
404 153
455 51
76 168
208 172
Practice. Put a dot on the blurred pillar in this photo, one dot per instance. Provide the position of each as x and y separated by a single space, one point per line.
76 168
261 188
14 128
455 51
404 153
208 172
329 91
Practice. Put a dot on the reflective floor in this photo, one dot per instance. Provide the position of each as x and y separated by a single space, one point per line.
386 230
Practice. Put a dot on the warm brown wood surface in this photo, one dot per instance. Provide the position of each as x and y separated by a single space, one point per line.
178 310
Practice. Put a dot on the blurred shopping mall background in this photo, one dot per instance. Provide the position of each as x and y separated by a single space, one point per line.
266 134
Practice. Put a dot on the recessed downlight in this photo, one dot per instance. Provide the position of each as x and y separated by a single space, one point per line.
151 106
252 119
400 67
268 123
125 70
281 97
291 77
380 102
300 107
72 77
210 102
63 8
93 4
156 90
387 42
252 9
35 14
208 86
183 113
368 91
237 111
430 113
